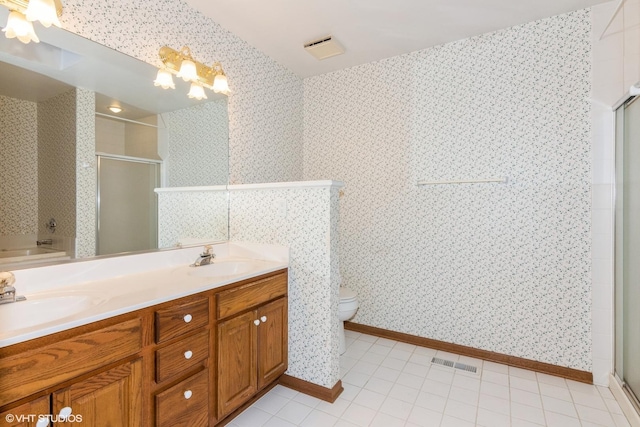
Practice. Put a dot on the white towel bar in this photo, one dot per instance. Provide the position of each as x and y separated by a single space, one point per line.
465 181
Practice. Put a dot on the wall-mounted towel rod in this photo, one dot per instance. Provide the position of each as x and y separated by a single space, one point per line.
466 181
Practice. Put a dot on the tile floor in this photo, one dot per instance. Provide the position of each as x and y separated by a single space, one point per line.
388 384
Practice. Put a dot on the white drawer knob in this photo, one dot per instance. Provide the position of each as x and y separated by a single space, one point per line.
188 394
256 322
42 422
187 318
65 412
263 318
188 354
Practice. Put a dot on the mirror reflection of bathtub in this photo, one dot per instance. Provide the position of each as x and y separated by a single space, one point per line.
33 255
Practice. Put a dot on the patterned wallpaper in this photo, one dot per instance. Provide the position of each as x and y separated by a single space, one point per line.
305 220
197 215
265 107
504 268
57 163
18 167
198 140
85 173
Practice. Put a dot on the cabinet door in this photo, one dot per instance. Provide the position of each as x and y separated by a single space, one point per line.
237 378
26 415
272 341
111 398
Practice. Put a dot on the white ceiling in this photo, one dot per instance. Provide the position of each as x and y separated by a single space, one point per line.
369 29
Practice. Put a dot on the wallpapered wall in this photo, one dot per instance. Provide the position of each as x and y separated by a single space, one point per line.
66 170
85 173
499 267
18 167
305 220
188 216
265 107
198 145
57 163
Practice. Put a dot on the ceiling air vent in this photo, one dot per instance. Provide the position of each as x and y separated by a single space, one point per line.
324 48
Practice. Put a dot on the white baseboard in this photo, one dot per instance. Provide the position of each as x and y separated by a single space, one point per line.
624 402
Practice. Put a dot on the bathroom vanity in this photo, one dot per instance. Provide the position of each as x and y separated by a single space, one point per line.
191 360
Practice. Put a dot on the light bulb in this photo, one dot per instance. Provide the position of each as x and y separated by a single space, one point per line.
43 11
18 26
221 84
188 70
197 91
164 79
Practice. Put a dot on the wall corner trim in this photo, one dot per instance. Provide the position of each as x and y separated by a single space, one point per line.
287 185
505 359
327 394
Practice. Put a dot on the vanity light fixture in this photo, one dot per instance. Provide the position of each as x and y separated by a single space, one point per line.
183 65
197 91
18 27
115 109
24 12
164 79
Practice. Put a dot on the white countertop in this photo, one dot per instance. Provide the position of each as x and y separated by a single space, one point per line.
65 296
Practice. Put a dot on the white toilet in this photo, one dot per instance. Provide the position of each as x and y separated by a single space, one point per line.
346 310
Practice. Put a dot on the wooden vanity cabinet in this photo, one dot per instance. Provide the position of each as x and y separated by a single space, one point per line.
252 340
182 387
189 362
26 415
76 370
111 398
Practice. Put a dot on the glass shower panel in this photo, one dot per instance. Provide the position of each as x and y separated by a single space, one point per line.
628 247
127 205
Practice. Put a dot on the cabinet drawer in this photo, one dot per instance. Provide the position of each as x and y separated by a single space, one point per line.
180 356
180 319
247 296
185 404
34 370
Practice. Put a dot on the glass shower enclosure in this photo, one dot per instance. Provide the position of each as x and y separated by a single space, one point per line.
627 250
127 206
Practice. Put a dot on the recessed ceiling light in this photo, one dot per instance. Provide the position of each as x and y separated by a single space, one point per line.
115 109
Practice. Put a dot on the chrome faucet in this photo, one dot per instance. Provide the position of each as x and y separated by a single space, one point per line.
44 242
7 291
205 257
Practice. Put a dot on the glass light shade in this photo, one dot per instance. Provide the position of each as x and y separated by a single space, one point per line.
43 11
18 26
164 79
197 92
188 70
221 84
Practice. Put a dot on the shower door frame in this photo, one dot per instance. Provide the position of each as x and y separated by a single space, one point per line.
618 346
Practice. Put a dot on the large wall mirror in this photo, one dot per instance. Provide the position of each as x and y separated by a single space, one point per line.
79 178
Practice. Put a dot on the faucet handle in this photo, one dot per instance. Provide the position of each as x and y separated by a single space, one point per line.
208 250
7 279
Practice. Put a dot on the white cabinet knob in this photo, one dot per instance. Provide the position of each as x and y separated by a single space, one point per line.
187 318
42 422
65 412
263 318
256 322
188 354
188 394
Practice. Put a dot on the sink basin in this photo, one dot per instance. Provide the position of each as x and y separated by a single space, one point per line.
43 308
221 268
